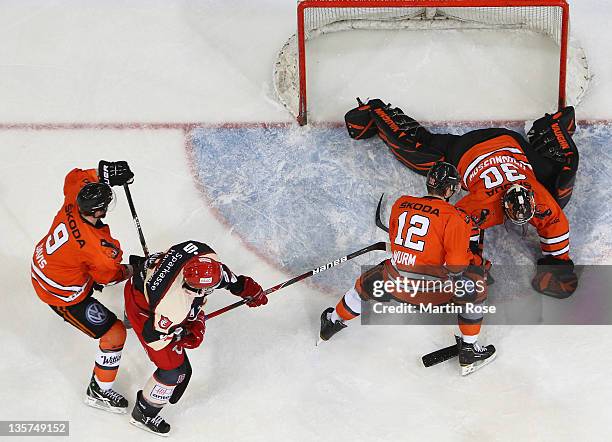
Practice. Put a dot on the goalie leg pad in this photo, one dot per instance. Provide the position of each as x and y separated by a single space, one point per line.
359 122
551 138
405 137
566 118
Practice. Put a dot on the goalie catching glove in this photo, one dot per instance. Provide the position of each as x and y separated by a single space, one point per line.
555 277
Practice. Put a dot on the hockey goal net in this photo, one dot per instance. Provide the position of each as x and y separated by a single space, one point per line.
316 17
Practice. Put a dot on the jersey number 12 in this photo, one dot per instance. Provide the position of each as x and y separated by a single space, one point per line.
419 225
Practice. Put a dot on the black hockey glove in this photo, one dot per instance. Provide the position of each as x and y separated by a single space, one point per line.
115 173
555 277
551 135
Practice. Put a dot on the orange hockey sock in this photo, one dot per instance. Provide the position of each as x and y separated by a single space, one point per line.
109 355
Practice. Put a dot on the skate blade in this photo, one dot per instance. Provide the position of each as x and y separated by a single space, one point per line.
318 341
101 405
469 369
144 427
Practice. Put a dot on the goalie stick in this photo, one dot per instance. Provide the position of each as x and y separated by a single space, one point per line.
376 246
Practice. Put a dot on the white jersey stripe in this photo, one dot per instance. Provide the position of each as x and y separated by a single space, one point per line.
477 160
558 252
63 298
554 240
72 288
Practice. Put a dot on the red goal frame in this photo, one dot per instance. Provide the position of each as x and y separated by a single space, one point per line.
303 5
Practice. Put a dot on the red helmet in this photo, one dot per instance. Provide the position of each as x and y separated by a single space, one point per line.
202 272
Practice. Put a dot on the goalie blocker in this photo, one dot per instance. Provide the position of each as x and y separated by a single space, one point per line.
551 150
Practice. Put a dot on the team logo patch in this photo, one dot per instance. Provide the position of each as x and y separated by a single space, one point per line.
96 314
111 250
164 322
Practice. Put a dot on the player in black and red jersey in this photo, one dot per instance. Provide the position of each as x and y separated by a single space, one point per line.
164 302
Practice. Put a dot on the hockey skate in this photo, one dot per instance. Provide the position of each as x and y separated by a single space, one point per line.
473 357
107 400
329 328
153 424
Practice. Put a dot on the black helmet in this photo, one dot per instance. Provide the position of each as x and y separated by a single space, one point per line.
519 204
441 177
93 197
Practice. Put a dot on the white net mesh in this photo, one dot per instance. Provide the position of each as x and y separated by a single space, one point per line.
320 19
546 20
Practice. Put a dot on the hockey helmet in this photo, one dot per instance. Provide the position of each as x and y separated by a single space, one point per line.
94 197
202 273
441 177
519 204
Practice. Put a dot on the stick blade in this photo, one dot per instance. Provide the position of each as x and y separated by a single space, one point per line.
439 356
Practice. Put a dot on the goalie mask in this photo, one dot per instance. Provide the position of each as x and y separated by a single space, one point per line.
441 178
519 204
202 274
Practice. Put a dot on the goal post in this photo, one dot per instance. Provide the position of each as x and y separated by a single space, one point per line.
316 17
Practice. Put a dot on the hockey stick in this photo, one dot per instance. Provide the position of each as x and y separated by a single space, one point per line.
128 195
438 356
446 353
379 222
376 246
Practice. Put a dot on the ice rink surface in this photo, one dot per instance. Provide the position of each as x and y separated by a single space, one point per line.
155 82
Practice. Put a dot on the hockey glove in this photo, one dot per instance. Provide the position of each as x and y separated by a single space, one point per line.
115 173
566 118
194 332
551 135
555 277
246 287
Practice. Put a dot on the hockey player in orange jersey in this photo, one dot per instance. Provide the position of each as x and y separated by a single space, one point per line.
429 244
78 255
507 177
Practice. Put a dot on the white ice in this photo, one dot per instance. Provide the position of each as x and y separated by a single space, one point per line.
258 375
